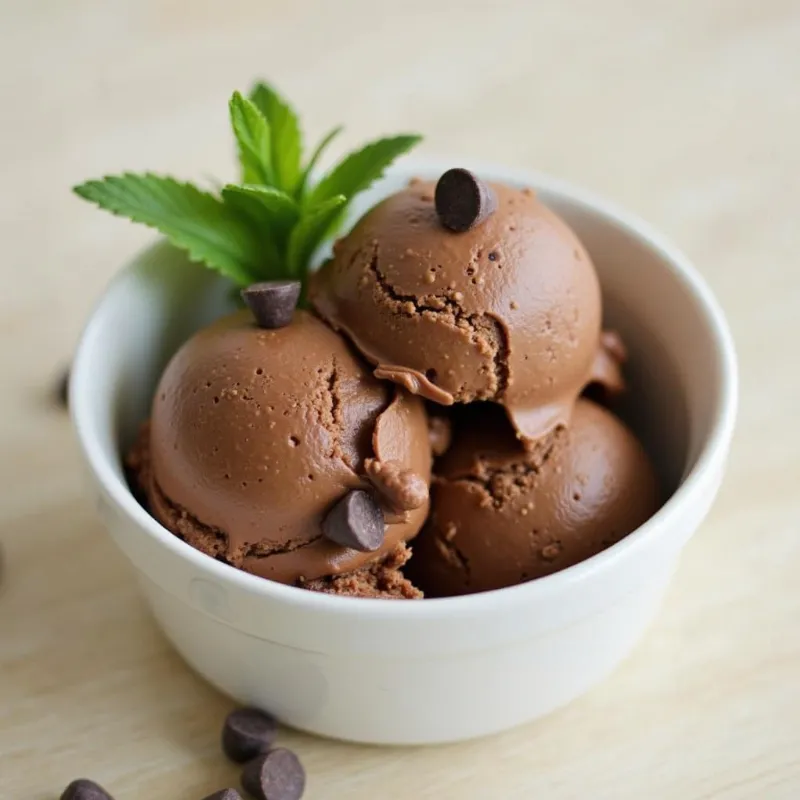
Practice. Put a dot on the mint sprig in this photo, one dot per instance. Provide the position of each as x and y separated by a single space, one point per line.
309 232
273 209
268 226
210 231
287 141
253 137
312 162
361 169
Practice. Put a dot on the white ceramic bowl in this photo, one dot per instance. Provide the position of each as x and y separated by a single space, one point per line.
393 672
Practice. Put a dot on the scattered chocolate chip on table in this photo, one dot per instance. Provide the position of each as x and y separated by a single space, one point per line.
224 794
62 389
247 733
83 789
278 775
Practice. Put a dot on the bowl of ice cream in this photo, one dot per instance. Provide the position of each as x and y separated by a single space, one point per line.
580 518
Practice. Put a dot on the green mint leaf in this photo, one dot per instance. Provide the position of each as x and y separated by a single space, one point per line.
195 221
321 147
271 223
276 209
287 141
309 232
360 169
253 136
271 244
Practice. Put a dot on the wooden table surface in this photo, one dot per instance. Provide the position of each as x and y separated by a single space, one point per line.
687 112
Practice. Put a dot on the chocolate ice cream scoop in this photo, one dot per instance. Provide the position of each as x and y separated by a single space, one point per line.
507 310
256 434
502 515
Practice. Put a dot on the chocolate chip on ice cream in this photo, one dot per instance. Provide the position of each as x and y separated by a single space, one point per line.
256 434
507 311
463 200
272 302
356 521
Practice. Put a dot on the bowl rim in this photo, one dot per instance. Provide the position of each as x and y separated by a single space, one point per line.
710 459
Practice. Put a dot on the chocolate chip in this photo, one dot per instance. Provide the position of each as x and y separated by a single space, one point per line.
62 389
247 733
83 789
463 200
278 775
272 302
224 794
355 521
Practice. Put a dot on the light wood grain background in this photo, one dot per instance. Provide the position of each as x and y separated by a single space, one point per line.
687 112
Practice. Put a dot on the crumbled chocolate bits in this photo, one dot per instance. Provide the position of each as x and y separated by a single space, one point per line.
400 487
224 794
278 775
272 302
247 733
84 789
463 200
356 521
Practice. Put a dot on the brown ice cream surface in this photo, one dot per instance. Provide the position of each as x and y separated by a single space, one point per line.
502 515
508 311
381 580
255 434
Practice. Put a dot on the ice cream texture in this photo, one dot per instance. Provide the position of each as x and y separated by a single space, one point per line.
296 444
502 514
255 434
507 311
